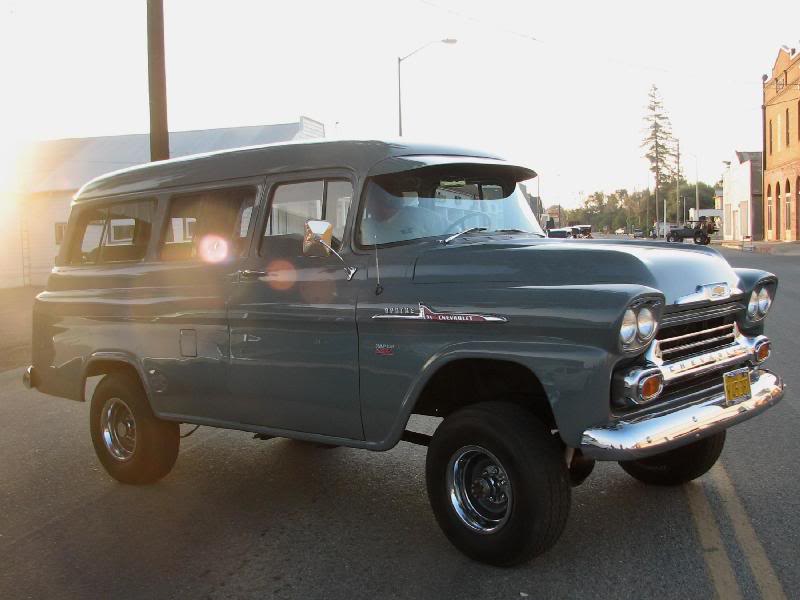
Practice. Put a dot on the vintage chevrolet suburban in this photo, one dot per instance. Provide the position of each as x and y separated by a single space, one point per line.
327 291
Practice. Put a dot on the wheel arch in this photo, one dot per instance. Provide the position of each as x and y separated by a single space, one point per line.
113 363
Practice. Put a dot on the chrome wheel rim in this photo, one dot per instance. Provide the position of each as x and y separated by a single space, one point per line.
480 489
118 428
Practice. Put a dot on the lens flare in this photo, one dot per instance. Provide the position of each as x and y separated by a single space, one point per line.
281 275
213 249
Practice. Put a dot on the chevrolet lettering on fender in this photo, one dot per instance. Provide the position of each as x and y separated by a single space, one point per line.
328 291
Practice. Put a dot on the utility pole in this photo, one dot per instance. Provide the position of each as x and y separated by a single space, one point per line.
157 80
677 179
658 175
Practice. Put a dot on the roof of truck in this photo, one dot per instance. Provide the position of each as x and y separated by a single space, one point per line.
360 155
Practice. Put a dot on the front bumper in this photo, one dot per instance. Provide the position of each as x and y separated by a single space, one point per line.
658 432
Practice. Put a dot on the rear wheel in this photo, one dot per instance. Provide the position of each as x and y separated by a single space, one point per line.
132 444
498 483
680 465
700 238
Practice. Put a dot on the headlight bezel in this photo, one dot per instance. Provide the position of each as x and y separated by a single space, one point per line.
642 337
760 301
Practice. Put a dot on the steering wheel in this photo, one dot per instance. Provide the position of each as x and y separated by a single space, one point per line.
453 227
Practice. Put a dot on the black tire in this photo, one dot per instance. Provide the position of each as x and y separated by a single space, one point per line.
699 238
680 465
147 449
531 458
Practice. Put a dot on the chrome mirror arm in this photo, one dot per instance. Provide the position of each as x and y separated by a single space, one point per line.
349 271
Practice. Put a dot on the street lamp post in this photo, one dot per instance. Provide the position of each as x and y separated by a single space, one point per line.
400 60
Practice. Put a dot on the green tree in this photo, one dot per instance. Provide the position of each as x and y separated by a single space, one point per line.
657 142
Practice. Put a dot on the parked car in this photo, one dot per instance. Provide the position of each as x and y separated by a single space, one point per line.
563 232
638 233
327 291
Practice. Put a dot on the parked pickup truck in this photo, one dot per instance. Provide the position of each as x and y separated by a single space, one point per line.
327 291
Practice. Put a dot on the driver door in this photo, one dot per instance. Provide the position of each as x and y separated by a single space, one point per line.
294 344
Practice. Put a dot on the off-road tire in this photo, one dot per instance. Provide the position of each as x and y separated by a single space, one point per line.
700 238
533 459
680 465
157 441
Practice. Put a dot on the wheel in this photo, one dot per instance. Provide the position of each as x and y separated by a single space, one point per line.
699 238
498 483
132 444
677 466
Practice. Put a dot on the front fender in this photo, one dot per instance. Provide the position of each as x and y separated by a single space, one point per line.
576 380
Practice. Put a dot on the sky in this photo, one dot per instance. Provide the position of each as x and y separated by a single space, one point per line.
558 86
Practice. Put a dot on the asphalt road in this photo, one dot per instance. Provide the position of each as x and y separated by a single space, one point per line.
245 518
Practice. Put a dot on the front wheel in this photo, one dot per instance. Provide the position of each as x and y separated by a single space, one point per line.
132 444
680 465
498 483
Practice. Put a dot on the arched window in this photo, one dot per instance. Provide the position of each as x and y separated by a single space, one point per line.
787 127
769 207
778 211
787 217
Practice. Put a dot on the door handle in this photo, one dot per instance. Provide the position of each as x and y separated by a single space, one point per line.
249 274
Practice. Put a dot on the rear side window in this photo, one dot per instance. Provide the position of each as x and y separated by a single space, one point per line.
212 224
114 233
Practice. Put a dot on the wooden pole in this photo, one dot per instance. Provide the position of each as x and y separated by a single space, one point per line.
157 79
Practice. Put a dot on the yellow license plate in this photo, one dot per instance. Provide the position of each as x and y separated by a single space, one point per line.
737 385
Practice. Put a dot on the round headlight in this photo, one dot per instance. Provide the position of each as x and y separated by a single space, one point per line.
764 301
646 324
628 330
752 305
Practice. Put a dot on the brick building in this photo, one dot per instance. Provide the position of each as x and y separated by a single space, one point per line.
782 147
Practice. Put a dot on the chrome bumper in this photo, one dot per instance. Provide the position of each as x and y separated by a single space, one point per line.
658 432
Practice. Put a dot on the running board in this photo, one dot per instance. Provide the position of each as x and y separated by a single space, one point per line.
412 437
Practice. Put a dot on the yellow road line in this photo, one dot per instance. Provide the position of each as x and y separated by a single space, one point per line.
716 557
768 583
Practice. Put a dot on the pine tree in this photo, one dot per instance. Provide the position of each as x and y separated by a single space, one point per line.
658 141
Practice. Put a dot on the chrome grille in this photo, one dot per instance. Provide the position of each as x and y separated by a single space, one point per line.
699 341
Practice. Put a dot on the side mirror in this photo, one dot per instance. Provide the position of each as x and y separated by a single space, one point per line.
317 238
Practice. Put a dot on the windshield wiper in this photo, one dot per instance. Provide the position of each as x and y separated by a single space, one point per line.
447 240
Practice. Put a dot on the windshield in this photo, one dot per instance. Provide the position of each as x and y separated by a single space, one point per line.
441 201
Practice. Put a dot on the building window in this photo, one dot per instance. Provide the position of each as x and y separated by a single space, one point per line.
769 207
779 133
61 229
787 224
777 210
787 127
770 136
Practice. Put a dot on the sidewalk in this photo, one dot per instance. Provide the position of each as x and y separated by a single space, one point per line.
777 248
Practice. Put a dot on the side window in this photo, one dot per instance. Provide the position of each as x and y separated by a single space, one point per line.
128 230
212 224
292 205
116 233
91 227
295 203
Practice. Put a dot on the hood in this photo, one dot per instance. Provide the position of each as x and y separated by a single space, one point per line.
677 272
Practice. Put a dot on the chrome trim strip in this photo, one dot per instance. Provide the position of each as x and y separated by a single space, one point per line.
696 333
654 434
730 336
426 314
700 314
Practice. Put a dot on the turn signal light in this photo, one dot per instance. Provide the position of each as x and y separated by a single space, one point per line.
651 386
763 351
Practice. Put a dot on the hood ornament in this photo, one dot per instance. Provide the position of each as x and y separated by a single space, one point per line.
713 292
425 313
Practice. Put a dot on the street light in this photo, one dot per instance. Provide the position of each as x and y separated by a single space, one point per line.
400 60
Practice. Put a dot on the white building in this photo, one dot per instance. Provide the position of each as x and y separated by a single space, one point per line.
742 202
33 217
